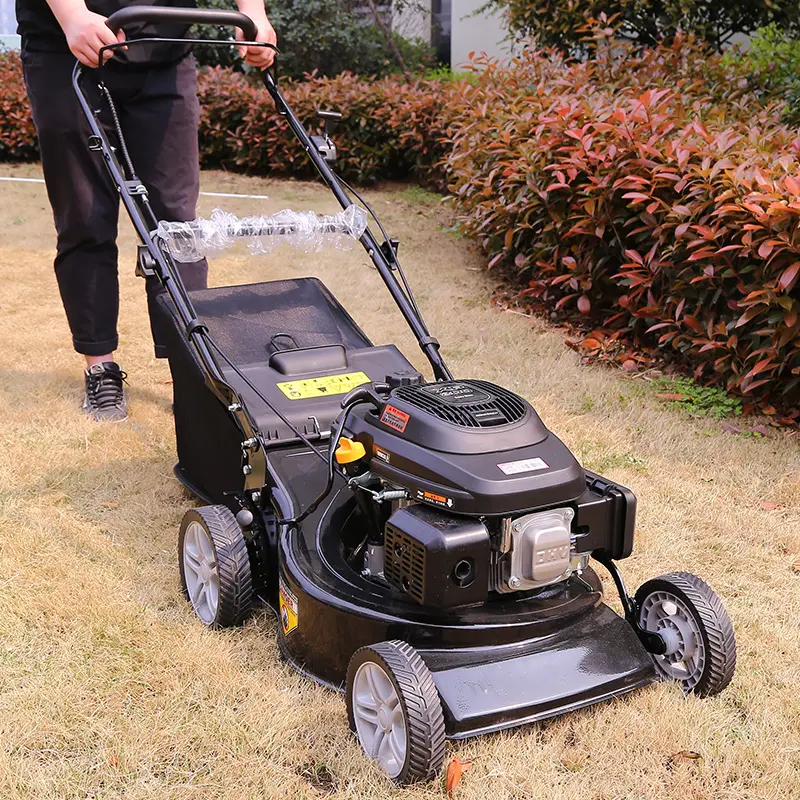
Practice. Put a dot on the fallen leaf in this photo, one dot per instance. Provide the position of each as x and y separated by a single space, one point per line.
671 396
728 428
584 304
629 365
591 344
689 755
455 770
769 506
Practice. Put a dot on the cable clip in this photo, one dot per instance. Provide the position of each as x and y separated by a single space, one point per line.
195 326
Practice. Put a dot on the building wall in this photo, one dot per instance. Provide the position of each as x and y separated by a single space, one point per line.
8 24
413 21
482 33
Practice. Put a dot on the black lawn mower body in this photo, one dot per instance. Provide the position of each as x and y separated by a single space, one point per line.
460 526
496 662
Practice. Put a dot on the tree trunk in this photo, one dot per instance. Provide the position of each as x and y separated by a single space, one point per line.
392 44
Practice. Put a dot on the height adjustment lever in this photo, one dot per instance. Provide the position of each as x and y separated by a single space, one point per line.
325 145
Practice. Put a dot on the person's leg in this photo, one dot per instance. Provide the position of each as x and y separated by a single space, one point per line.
85 206
85 209
160 125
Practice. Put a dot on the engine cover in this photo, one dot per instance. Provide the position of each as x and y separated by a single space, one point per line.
439 560
468 447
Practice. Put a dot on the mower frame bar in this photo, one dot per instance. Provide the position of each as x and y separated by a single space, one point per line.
137 203
428 344
155 261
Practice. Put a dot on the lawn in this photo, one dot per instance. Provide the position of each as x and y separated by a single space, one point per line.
110 688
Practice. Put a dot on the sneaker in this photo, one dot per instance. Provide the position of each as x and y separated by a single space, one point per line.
104 400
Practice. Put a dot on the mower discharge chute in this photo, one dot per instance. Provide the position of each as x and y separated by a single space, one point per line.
426 545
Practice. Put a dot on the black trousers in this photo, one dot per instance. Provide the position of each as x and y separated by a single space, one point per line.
159 113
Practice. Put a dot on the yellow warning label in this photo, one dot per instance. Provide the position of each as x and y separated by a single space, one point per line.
319 387
288 603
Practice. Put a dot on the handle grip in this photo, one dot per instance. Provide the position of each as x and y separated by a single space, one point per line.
189 16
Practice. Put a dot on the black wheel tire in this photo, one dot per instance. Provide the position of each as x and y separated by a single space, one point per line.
232 563
420 703
713 622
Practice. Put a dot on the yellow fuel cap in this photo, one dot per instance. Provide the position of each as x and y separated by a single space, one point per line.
349 451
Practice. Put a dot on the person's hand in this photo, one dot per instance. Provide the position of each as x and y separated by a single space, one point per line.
86 33
261 57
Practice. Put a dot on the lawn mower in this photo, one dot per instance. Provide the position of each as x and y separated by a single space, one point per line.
426 544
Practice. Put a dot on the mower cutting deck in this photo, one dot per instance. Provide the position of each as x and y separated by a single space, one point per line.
425 543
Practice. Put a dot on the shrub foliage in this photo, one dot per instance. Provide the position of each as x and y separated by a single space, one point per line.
621 190
773 61
390 129
320 36
17 134
642 192
647 22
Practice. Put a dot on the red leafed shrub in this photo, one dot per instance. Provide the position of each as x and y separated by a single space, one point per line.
391 129
17 134
643 192
387 130
647 192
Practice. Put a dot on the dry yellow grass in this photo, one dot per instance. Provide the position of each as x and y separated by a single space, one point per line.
109 688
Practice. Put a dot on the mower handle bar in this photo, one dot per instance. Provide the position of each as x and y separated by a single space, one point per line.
189 16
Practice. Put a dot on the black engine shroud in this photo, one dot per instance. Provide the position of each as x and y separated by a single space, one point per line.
472 448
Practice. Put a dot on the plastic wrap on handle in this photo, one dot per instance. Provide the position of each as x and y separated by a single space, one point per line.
190 241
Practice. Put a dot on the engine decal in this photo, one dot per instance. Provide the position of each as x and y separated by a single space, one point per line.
435 499
382 454
319 387
288 607
395 418
526 465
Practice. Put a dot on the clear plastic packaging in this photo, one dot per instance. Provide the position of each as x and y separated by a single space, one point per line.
190 241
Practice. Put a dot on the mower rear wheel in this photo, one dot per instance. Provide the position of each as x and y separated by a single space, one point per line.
394 708
689 617
215 566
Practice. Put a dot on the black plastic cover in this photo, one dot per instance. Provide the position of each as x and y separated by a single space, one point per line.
442 441
606 512
439 560
275 332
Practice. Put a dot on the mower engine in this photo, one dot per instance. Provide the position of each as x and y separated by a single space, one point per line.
490 501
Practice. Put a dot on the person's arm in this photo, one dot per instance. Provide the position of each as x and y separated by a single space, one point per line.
261 57
86 31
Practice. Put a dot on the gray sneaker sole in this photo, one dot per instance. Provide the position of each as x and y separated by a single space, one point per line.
105 415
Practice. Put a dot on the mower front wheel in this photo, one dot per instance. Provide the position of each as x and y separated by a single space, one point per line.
394 708
688 615
215 566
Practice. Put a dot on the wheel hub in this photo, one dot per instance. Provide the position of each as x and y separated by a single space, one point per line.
679 639
684 654
379 718
201 572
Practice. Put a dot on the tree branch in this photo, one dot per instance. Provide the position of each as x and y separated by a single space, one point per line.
392 44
